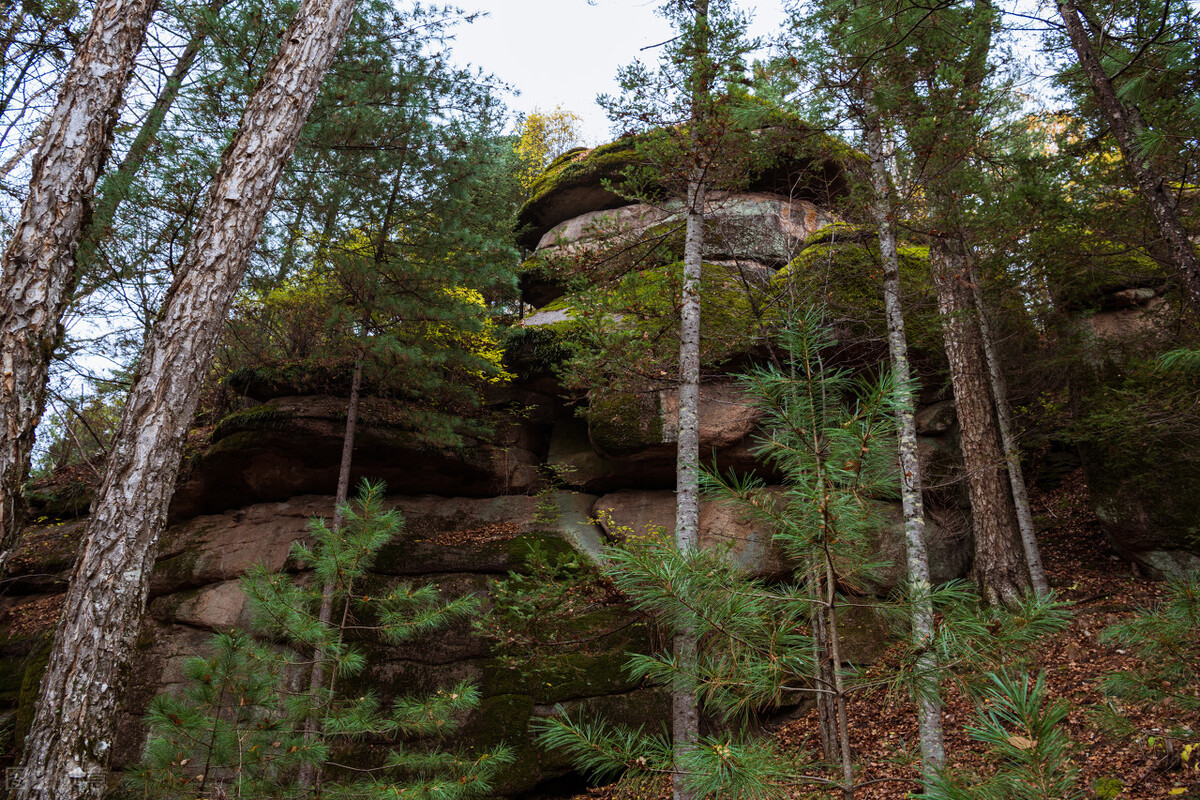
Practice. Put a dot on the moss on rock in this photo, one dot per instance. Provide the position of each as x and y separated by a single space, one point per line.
844 274
784 155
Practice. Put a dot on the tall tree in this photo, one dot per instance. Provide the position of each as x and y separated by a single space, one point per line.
38 268
942 105
1130 130
66 751
691 95
929 705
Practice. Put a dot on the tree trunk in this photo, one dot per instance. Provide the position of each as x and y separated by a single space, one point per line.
38 270
929 702
67 748
310 774
1126 124
1016 477
839 687
685 718
999 565
115 187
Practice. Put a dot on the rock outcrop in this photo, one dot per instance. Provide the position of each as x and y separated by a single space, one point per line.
473 510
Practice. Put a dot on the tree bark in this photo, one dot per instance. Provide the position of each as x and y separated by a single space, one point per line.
1126 124
310 774
685 716
999 565
929 702
1012 457
66 752
38 269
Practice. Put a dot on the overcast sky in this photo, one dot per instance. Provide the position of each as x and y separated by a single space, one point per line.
567 51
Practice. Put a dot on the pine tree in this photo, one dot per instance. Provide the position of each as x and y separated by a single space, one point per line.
69 741
689 100
237 729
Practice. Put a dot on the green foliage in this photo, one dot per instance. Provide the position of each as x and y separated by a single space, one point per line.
239 727
1166 639
830 434
549 611
543 136
230 728
1026 744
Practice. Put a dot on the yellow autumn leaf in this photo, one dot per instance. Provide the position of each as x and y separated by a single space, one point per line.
1021 742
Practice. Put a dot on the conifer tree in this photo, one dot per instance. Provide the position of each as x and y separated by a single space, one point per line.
237 730
689 98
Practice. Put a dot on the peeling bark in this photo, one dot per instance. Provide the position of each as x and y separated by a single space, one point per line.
38 269
999 565
67 750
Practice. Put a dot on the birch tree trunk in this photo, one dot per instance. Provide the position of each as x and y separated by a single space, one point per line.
999 563
929 702
1126 124
38 268
1012 458
685 716
66 752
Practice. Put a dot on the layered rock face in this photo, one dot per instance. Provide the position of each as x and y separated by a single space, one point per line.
1134 418
545 475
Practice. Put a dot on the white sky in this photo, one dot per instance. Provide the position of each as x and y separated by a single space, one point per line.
567 51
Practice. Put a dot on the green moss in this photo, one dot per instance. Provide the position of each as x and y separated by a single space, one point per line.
1084 269
61 499
623 423
784 154
1133 430
583 167
31 680
840 232
846 277
585 670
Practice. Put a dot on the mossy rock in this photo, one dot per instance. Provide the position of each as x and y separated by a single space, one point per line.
785 156
587 670
1088 273
1132 432
504 720
845 275
258 418
624 423
66 494
31 670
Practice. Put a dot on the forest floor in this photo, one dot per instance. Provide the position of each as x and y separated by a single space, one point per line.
1103 589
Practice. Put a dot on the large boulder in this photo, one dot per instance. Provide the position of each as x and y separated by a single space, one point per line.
753 226
460 545
749 545
633 514
292 445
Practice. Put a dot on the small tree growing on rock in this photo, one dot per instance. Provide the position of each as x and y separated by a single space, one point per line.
240 729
